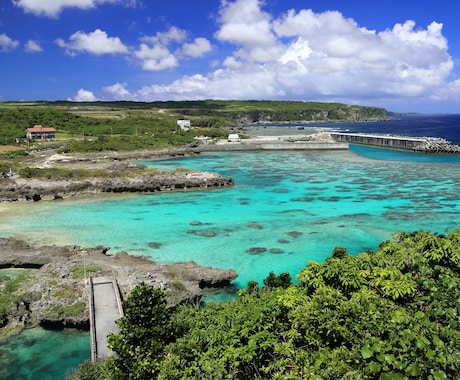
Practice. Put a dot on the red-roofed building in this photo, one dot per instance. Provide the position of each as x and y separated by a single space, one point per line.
40 133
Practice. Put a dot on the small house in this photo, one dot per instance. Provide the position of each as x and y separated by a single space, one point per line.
234 137
184 125
40 133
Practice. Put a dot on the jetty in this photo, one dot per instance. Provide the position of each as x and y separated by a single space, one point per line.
316 141
415 144
105 308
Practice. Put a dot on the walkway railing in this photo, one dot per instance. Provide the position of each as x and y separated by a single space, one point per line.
104 309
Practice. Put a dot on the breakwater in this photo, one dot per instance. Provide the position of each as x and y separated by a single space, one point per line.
234 147
416 144
317 141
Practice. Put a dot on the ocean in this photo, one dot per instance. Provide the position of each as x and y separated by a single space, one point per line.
286 208
446 126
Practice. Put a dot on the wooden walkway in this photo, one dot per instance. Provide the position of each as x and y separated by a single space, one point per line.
105 309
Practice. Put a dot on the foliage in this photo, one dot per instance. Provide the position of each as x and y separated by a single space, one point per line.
389 314
145 330
274 281
92 371
79 271
8 287
118 126
57 173
58 311
83 174
339 252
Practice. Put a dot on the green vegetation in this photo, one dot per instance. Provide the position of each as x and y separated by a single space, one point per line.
8 286
124 126
58 173
79 271
83 174
389 314
59 311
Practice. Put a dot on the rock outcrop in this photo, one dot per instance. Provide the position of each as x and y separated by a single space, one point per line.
17 189
56 291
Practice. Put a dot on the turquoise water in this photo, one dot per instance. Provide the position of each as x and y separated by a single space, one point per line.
296 205
400 155
43 354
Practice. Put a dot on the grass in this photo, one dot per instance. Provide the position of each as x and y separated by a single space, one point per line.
65 292
8 286
78 271
57 311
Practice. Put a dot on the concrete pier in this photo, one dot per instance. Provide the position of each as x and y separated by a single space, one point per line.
415 144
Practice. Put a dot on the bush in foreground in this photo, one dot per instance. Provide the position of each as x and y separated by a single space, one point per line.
389 314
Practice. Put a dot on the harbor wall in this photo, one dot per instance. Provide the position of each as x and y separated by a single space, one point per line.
395 142
240 146
415 144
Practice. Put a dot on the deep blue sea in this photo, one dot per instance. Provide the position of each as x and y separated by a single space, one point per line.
446 126
294 206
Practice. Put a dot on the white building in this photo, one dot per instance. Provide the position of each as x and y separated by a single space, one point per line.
234 137
184 124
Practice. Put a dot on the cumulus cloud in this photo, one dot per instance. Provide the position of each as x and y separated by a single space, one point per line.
52 8
97 42
7 43
197 48
84 96
118 91
312 56
32 47
164 50
155 58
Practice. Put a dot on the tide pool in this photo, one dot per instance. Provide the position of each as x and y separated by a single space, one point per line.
43 354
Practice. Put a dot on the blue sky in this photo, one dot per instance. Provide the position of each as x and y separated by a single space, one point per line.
403 55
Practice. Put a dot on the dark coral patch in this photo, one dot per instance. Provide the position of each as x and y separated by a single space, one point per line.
256 250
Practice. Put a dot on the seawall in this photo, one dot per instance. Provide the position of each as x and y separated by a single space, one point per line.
271 145
417 144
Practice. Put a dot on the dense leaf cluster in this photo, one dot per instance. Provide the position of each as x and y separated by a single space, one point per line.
389 314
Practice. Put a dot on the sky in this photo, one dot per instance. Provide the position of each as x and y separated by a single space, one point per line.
403 55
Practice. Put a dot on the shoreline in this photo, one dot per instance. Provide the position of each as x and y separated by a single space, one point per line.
121 177
56 292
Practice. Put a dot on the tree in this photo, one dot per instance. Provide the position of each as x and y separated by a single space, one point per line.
145 330
339 252
274 281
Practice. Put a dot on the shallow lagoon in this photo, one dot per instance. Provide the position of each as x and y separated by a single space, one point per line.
296 205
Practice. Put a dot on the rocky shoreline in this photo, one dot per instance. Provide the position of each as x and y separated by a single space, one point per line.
121 177
22 189
56 291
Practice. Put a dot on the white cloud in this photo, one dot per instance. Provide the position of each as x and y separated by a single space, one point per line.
298 55
52 8
84 96
164 50
32 47
197 48
97 42
7 43
118 91
173 34
244 23
316 56
155 58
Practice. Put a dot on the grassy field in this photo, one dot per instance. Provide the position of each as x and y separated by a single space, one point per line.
9 148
